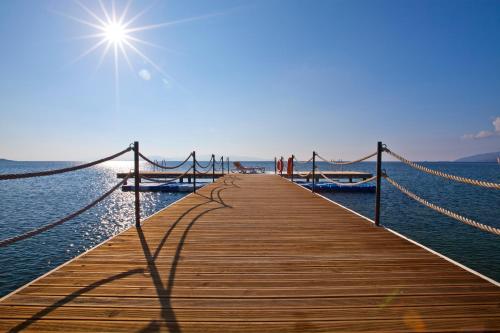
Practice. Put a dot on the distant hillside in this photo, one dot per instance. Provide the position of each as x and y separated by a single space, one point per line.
5 160
488 157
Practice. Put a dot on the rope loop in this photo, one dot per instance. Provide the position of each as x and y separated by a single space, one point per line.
163 181
347 184
49 226
163 166
63 170
347 163
442 210
206 166
464 180
302 162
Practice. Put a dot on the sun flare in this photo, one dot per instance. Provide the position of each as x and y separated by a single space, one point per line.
115 33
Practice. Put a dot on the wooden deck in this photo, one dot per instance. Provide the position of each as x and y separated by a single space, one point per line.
255 253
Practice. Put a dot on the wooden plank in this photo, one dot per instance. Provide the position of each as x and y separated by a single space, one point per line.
255 253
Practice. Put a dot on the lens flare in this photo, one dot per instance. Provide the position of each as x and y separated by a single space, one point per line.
114 33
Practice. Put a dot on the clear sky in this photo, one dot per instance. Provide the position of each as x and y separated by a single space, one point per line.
253 78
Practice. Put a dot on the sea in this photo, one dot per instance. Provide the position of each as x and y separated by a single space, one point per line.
26 204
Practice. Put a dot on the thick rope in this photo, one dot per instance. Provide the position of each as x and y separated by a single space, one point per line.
165 167
347 184
465 180
304 174
347 163
302 162
163 181
443 211
63 170
37 231
203 172
206 166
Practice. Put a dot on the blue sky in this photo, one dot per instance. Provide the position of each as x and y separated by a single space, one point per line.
254 78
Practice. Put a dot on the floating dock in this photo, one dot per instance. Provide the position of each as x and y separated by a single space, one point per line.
349 175
256 253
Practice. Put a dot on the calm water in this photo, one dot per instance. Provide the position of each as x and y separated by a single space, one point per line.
30 203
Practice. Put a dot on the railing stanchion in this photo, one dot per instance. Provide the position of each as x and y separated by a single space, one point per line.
227 158
314 172
282 166
194 171
275 161
222 164
379 178
292 166
213 168
137 181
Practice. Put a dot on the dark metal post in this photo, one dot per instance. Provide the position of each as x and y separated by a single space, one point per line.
222 164
379 178
136 185
227 165
292 166
275 161
282 166
213 168
314 172
194 171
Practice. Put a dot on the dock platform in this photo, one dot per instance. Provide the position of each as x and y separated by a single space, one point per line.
255 253
350 175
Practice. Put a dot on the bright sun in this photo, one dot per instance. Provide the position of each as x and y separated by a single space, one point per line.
115 33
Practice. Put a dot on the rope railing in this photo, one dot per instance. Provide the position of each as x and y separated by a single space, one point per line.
302 162
442 210
303 174
206 166
49 226
163 166
347 184
422 168
135 174
63 170
171 180
348 162
204 172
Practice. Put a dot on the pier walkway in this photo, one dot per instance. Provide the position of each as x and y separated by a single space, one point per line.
255 253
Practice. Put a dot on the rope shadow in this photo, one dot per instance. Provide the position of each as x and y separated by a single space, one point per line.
162 292
42 313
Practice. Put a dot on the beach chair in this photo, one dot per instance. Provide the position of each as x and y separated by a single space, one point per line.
239 168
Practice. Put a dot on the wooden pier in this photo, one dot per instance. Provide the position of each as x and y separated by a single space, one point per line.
255 253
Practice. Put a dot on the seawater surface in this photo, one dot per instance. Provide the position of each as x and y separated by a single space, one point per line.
30 203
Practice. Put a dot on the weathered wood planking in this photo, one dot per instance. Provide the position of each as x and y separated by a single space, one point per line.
255 253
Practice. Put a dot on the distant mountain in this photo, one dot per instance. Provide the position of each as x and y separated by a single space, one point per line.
5 160
484 158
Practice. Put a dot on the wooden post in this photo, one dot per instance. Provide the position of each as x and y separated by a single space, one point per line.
314 172
213 168
222 164
379 178
292 166
194 171
282 166
275 161
136 185
227 165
